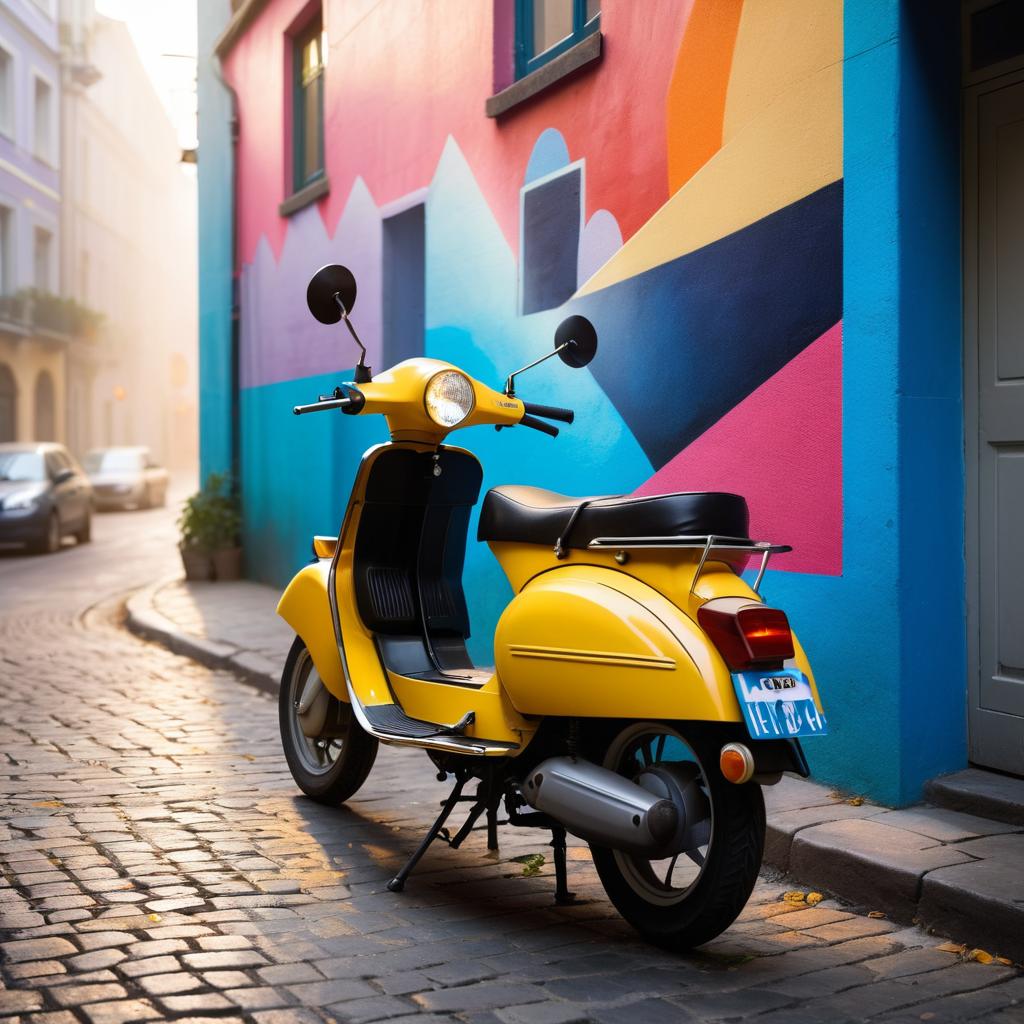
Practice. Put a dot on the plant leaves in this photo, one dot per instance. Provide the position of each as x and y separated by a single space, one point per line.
794 896
981 956
952 947
855 801
876 914
814 898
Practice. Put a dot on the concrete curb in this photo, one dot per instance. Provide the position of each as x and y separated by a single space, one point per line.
953 873
145 621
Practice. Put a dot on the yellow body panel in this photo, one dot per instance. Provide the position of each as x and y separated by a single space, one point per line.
304 607
398 393
607 640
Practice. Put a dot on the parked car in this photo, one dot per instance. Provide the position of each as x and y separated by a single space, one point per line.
126 478
44 496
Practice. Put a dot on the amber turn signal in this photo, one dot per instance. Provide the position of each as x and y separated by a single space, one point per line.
737 763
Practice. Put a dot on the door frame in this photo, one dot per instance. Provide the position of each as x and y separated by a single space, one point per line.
999 77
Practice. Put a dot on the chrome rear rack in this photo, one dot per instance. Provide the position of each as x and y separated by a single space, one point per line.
706 543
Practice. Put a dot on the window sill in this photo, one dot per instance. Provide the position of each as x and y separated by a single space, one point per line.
584 54
305 196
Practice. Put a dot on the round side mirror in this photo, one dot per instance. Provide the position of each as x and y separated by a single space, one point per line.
327 287
578 336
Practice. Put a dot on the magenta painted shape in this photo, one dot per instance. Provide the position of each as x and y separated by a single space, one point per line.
781 448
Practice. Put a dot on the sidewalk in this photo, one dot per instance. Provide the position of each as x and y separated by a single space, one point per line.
957 874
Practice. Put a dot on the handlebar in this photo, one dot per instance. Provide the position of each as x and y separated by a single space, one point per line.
544 428
549 412
327 403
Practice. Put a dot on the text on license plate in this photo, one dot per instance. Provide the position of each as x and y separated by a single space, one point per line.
778 704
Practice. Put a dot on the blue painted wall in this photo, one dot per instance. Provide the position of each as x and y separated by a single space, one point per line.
216 249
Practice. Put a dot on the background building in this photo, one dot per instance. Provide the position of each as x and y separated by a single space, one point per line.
34 336
129 235
758 204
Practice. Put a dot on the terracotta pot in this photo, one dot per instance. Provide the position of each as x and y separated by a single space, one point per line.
227 563
197 562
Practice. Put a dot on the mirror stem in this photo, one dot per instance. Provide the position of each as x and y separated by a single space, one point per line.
510 379
362 373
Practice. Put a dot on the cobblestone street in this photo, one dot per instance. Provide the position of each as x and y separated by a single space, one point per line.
158 863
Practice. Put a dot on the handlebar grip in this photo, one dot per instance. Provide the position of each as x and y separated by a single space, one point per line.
549 412
544 428
331 403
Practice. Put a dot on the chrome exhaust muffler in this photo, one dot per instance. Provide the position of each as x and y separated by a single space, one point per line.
595 804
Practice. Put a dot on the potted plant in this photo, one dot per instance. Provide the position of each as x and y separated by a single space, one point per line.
209 526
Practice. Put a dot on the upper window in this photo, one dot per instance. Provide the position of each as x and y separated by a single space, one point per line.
42 259
43 120
6 93
309 58
6 250
547 28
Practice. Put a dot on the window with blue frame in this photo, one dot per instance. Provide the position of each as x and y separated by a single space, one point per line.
308 60
547 28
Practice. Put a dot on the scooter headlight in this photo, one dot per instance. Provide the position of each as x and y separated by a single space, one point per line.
449 398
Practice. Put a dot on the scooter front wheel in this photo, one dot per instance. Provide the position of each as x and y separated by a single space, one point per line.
686 899
328 752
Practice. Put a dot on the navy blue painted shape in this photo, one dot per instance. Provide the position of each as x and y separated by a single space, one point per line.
683 343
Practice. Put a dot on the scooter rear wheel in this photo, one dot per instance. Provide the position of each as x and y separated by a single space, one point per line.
328 753
684 901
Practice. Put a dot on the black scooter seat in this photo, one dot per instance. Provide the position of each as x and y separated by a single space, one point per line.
530 515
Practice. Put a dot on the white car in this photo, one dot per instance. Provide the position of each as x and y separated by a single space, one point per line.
126 478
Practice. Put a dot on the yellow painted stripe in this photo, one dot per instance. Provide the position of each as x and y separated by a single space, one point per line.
592 657
793 148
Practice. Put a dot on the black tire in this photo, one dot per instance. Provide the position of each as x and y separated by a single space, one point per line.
724 882
84 535
343 770
50 540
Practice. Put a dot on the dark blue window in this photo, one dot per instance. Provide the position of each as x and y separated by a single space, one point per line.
551 240
547 28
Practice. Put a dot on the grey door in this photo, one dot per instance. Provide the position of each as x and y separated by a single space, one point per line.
994 403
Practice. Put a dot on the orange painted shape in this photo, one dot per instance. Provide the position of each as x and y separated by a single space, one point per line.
695 105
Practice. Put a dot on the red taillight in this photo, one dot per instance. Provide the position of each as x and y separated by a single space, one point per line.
747 635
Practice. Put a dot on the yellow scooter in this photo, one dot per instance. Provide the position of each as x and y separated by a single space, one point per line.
642 692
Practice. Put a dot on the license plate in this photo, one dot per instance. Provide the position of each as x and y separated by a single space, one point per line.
778 705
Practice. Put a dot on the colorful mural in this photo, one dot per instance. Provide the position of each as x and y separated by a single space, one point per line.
686 194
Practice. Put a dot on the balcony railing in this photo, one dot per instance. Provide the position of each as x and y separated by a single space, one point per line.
31 311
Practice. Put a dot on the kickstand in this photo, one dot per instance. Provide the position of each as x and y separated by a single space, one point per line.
562 894
397 884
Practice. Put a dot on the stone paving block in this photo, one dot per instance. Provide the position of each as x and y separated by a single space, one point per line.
96 960
646 1011
103 940
120 1012
484 995
458 972
944 825
323 993
227 979
263 997
225 959
169 984
36 949
358 1011
150 965
291 1016
79 995
981 903
879 866
199 1002
19 1001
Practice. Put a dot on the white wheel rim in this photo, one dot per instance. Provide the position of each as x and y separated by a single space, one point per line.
670 880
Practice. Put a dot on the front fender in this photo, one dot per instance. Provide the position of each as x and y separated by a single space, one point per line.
305 607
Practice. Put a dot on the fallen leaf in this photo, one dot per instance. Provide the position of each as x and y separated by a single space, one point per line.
927 1015
814 898
48 803
154 917
249 757
981 956
855 801
952 947
532 863
1005 961
876 914
794 896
